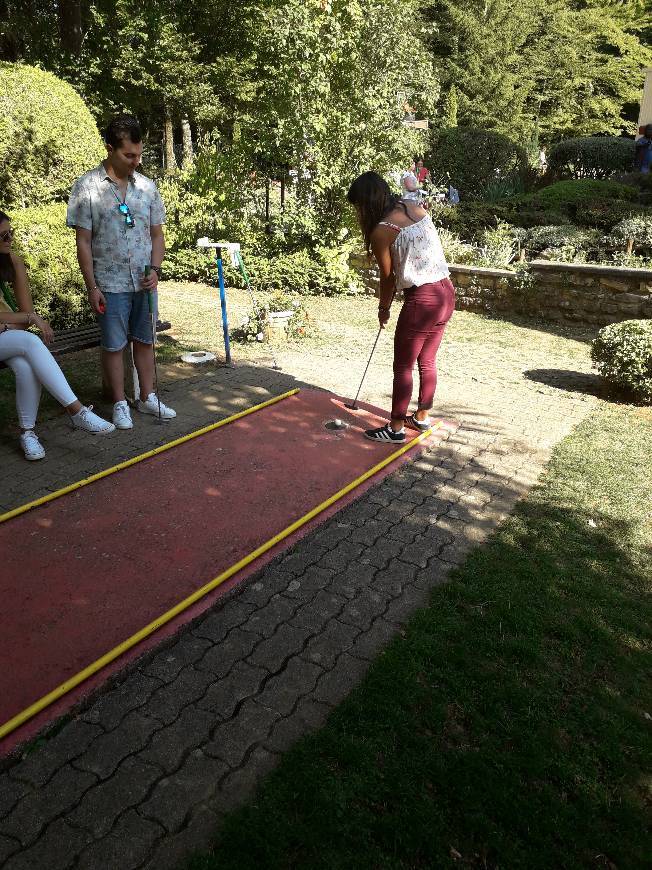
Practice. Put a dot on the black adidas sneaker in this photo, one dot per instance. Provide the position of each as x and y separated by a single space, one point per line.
385 434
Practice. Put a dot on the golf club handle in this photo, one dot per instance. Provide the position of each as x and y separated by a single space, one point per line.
150 297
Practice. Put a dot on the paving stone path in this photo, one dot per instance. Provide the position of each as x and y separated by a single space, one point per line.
141 775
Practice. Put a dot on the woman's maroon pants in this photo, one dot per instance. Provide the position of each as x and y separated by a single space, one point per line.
419 331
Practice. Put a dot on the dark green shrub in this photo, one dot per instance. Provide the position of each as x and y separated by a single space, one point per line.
325 273
622 353
47 137
476 159
566 196
606 213
591 157
48 248
189 264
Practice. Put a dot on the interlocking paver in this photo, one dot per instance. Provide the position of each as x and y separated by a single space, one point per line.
8 846
369 643
55 850
308 716
167 665
325 647
266 620
10 793
221 657
169 745
216 626
240 785
282 692
336 684
175 796
341 556
224 695
125 848
286 642
101 805
32 814
107 751
234 739
173 851
316 613
70 742
364 608
111 708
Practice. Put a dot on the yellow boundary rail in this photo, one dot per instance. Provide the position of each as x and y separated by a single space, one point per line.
155 452
187 602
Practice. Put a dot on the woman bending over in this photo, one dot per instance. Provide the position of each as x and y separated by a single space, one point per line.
410 257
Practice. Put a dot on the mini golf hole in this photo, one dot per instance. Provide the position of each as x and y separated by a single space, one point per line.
337 424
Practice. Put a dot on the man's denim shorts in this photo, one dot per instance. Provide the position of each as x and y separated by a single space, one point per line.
126 319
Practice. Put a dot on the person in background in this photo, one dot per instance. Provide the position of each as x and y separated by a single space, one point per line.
410 184
27 356
643 151
423 174
410 257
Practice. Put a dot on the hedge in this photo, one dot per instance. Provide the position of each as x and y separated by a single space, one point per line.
48 248
47 137
591 157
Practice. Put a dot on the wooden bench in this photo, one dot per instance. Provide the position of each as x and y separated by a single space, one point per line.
84 337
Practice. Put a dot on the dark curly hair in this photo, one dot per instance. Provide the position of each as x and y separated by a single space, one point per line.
371 195
7 272
122 127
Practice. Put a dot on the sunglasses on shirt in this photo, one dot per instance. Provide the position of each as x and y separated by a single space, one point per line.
123 208
7 236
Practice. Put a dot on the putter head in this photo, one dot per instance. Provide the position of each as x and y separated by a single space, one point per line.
352 406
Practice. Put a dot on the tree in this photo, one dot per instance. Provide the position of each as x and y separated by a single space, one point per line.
566 67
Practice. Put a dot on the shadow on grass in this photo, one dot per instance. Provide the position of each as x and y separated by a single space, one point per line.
507 728
570 381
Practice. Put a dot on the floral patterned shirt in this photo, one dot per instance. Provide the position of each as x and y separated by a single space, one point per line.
120 253
417 254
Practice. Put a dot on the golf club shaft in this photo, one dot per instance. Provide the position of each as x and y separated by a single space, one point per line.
245 277
355 401
150 303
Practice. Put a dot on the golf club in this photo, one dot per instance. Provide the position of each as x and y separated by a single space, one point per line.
245 277
354 405
152 314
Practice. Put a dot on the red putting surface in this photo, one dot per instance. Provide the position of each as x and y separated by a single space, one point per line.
84 572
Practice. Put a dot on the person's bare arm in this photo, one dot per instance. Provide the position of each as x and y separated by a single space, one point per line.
381 241
21 286
158 252
85 259
24 319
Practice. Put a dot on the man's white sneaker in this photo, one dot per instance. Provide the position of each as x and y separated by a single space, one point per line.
122 415
90 422
32 447
150 406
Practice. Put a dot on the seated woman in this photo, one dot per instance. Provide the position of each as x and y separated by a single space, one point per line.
27 356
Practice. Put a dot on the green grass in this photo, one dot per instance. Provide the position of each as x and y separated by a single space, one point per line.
508 725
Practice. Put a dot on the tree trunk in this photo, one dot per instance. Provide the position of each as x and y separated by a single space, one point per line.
70 26
188 152
170 160
9 48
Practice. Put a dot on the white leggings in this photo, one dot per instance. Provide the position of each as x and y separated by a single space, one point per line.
33 365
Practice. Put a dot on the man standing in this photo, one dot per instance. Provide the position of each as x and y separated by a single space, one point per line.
118 217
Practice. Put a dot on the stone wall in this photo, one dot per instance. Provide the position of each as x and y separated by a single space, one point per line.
595 295
572 292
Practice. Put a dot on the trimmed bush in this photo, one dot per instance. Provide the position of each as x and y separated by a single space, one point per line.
622 353
638 229
476 159
591 157
566 235
325 273
48 248
47 137
567 196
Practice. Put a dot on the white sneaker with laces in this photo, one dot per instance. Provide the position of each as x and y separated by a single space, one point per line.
90 422
32 447
150 406
122 415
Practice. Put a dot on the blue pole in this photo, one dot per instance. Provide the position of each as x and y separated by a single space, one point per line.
225 322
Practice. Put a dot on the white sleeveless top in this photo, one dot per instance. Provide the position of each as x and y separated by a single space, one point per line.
417 254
